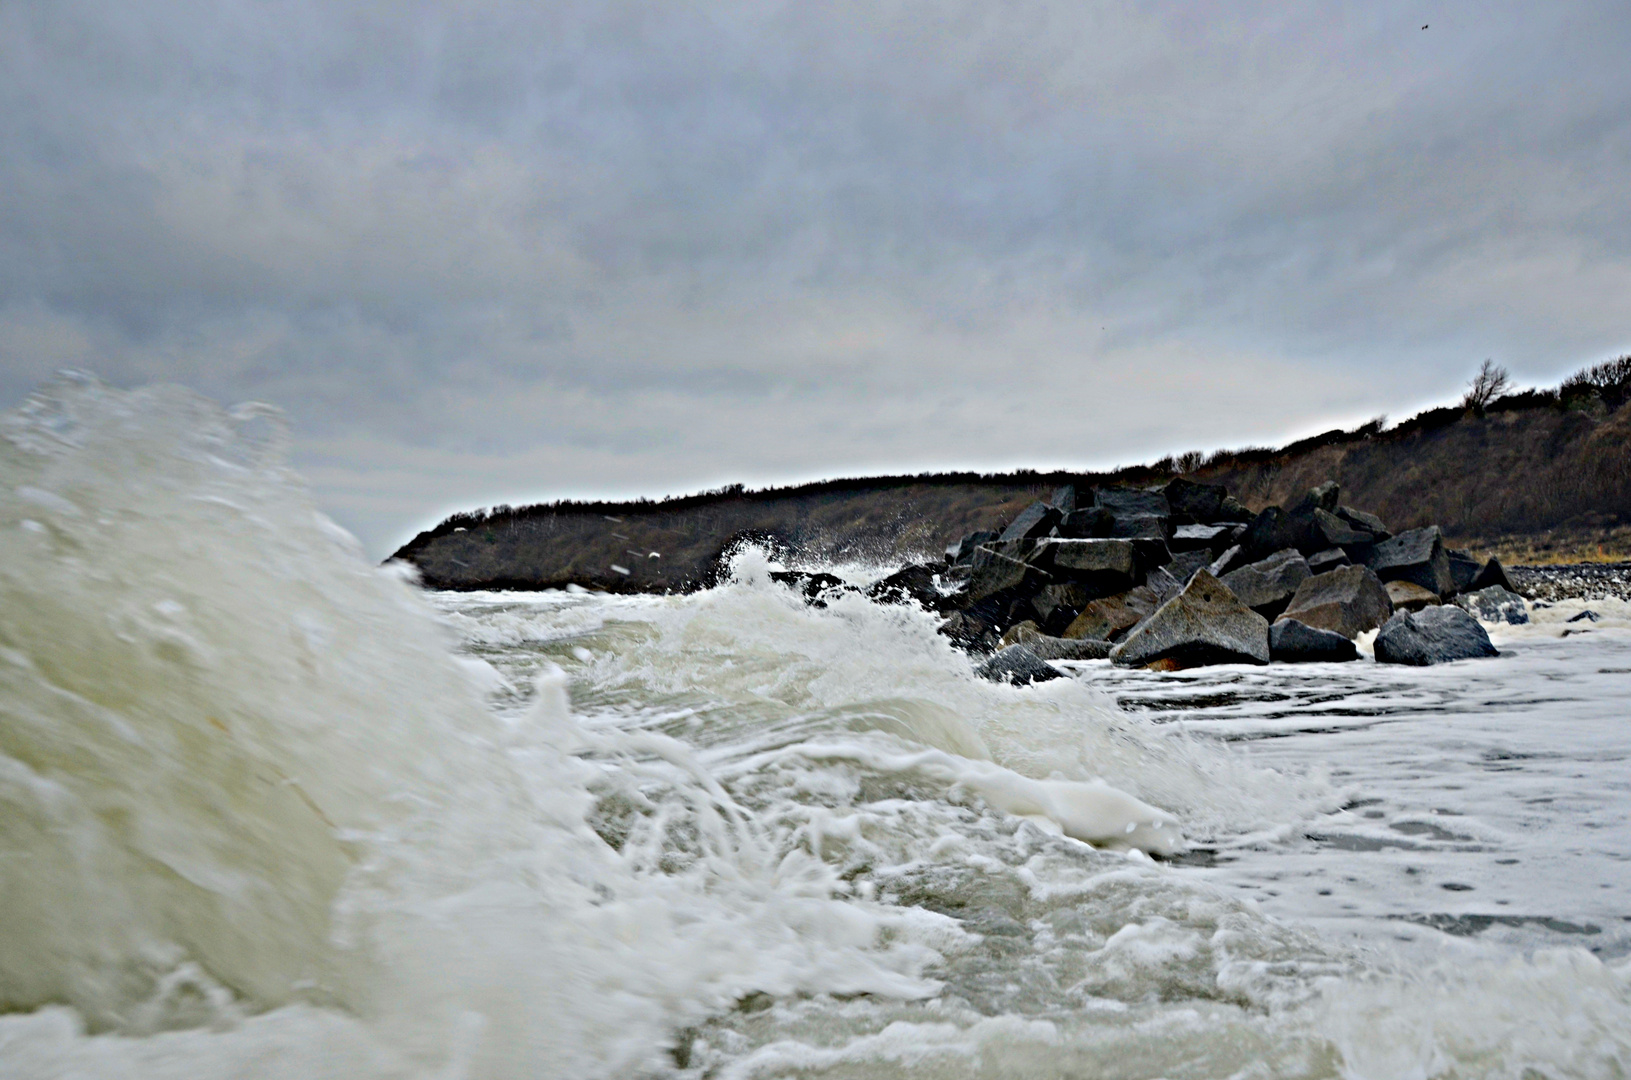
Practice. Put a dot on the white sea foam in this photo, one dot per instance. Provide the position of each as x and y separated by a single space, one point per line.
264 811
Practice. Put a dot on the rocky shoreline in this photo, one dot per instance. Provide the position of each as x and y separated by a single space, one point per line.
1573 581
1185 575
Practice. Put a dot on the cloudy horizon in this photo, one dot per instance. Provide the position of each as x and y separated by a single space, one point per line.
498 252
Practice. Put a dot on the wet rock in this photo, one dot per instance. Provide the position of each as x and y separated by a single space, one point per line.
1267 586
1329 559
1296 642
1435 635
1033 521
962 551
1493 573
1408 596
1001 573
1585 616
1204 624
1055 648
1018 633
1112 616
1162 583
1018 665
1495 604
1057 604
1464 569
970 630
1191 503
1416 556
1348 601
915 583
813 586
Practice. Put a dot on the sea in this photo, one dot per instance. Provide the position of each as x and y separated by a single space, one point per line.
268 809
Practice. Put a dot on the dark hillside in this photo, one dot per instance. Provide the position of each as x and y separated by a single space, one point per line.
1540 474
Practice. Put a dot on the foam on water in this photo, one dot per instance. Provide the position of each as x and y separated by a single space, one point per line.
265 811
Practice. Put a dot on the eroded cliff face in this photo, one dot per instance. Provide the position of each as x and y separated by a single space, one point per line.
1536 477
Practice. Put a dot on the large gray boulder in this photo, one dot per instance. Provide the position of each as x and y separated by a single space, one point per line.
1493 573
1057 604
1085 522
1328 531
1464 569
1416 556
1017 664
1105 567
1033 521
1271 531
1434 635
1494 604
1192 503
998 573
1064 498
1364 522
1109 618
1298 643
1323 561
1203 624
1267 586
962 552
1132 502
1348 601
1325 497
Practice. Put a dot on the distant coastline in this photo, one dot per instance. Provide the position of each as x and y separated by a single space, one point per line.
1536 477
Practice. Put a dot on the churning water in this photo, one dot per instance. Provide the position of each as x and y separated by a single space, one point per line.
267 810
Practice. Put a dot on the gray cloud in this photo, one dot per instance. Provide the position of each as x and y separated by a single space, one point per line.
492 251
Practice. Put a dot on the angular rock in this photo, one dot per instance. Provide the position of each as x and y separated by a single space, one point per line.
1105 567
1017 665
1139 526
1493 573
1085 523
1212 538
1064 498
1323 497
1274 530
812 585
1192 503
1494 604
1018 633
1234 510
1435 635
1587 615
1057 604
1416 556
1203 624
1364 522
1297 643
1346 601
1126 502
1464 569
962 551
1267 586
1230 559
1107 619
1330 531
1329 559
1055 648
1162 583
970 630
1033 521
1004 574
1183 565
1408 596
916 583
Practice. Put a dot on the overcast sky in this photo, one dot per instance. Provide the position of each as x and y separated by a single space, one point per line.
507 252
